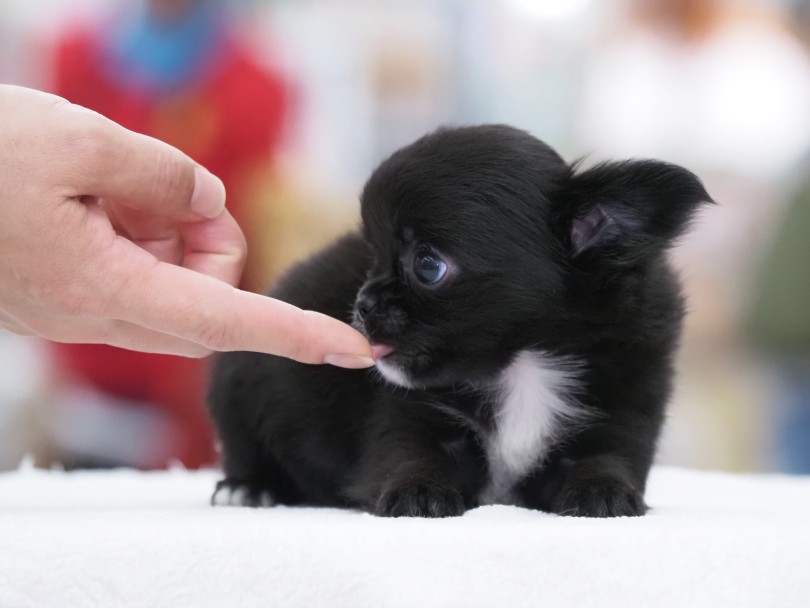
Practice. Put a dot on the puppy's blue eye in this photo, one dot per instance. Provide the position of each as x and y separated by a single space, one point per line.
428 267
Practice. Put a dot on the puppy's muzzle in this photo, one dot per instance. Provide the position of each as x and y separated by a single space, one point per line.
377 315
366 304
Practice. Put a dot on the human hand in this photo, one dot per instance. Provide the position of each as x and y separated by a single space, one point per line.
109 236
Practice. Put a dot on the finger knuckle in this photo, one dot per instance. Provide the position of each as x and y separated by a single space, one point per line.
64 297
72 301
86 141
298 345
217 332
172 179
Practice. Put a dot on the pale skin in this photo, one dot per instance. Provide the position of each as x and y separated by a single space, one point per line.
111 237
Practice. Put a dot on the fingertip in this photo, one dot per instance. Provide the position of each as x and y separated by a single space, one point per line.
341 344
349 361
208 197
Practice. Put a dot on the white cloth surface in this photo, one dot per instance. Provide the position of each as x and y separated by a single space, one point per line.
123 538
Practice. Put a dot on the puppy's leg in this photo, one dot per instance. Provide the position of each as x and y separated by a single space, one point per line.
600 473
414 467
253 481
600 486
243 486
252 477
421 496
602 470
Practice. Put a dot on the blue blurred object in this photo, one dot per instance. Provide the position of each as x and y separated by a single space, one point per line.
158 54
793 423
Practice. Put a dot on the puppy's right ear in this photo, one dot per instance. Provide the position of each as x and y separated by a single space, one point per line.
621 212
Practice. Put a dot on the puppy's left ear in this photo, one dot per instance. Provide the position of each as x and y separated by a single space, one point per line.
625 211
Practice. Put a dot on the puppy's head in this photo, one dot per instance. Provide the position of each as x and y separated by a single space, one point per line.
476 232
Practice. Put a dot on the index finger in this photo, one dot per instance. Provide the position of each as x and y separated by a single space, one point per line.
136 170
196 307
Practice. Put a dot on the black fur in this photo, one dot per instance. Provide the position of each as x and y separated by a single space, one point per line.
539 256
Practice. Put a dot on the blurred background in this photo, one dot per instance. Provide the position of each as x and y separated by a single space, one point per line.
293 103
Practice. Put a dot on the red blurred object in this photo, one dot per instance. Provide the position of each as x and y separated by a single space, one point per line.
230 122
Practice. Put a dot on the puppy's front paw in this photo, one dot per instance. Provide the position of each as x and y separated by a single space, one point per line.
599 497
420 499
235 493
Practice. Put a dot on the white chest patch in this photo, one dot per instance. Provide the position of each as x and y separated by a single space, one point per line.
534 404
393 374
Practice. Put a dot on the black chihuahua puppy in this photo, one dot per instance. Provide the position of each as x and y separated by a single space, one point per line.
524 321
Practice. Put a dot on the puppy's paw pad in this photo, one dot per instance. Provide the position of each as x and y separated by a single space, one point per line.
420 499
600 497
234 493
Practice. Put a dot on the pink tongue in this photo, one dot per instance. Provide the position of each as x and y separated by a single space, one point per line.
378 351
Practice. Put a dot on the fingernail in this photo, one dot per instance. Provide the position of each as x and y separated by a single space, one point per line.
208 198
348 361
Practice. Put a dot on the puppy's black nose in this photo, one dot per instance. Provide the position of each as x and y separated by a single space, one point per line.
366 303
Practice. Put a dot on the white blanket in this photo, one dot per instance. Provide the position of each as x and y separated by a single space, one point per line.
124 538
